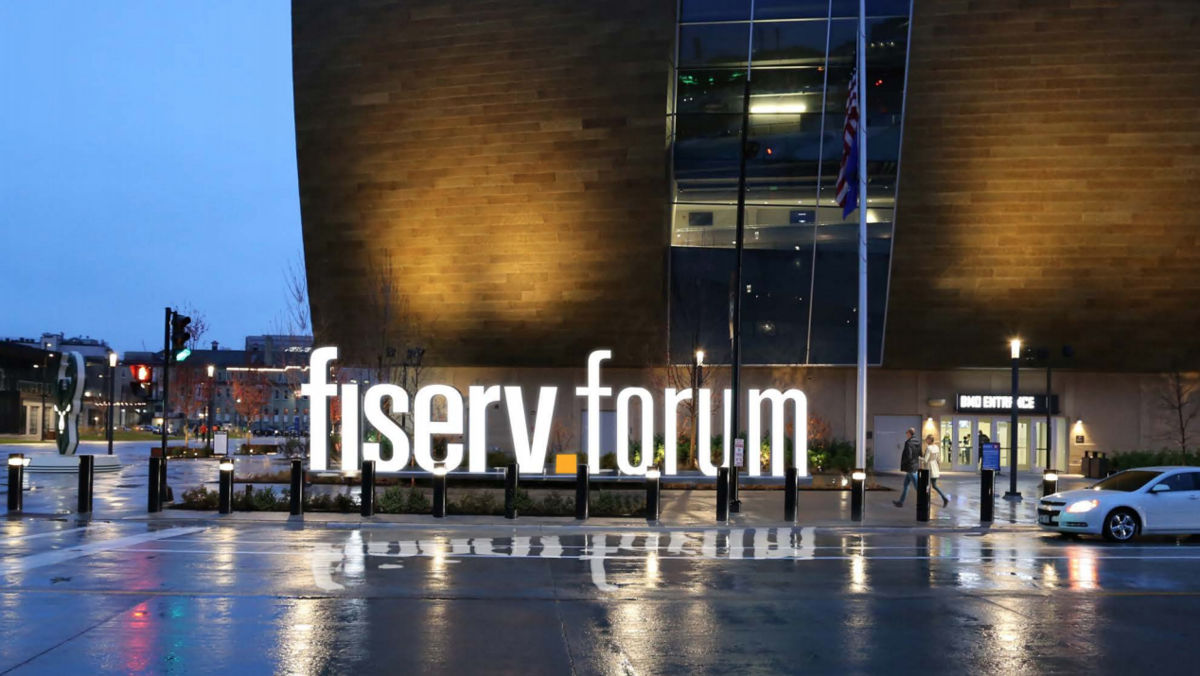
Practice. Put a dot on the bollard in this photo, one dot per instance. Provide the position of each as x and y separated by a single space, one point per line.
165 494
439 492
1049 482
653 494
16 477
922 495
296 497
791 492
987 495
225 486
510 491
735 502
87 465
858 494
367 508
154 491
722 494
582 492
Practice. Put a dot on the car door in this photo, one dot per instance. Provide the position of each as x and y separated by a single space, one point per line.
1177 509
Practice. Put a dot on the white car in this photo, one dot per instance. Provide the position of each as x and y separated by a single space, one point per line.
1158 500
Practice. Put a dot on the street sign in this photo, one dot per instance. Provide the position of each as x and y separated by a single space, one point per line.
220 443
991 455
739 452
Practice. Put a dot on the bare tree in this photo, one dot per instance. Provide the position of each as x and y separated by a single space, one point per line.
1178 401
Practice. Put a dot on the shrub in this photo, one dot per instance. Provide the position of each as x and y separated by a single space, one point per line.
418 502
613 503
342 502
293 447
476 503
1123 460
498 459
555 505
200 498
392 500
608 461
522 500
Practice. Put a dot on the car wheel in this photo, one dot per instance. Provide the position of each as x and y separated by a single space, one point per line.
1121 525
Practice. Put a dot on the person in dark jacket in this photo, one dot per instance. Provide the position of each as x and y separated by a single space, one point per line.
910 460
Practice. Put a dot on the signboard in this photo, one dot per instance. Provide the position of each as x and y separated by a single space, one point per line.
1027 404
739 452
1079 438
990 453
221 443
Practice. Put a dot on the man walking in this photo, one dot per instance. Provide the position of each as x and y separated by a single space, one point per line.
910 459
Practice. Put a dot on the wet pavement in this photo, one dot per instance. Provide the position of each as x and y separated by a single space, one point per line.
158 598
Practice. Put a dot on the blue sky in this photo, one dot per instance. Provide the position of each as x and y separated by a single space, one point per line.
147 158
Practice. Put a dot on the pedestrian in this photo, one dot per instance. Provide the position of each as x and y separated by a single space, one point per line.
932 462
910 459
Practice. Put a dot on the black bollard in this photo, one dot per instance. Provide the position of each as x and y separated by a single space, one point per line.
164 490
858 494
439 493
653 494
87 465
296 496
225 486
582 492
154 490
791 492
735 502
1049 482
922 495
510 491
367 508
987 495
16 477
722 494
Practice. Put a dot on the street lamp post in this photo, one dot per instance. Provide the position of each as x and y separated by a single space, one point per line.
697 381
112 396
212 399
1013 494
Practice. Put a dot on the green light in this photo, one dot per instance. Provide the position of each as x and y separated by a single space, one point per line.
183 354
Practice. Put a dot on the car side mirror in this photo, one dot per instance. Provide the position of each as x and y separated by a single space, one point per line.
1159 488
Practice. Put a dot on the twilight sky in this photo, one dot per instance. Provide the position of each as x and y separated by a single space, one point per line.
147 158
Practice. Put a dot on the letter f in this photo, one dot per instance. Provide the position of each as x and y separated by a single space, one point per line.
318 390
593 392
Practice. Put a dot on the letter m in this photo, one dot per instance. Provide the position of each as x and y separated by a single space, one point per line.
777 423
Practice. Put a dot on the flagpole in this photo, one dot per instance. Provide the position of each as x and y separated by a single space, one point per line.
860 418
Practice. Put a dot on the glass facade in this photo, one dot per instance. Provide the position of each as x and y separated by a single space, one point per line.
800 265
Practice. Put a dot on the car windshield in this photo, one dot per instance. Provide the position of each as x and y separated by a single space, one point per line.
1127 481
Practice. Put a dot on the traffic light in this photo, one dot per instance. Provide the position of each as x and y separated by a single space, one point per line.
180 336
141 373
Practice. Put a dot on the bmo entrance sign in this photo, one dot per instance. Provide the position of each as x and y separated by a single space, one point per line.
382 403
1031 404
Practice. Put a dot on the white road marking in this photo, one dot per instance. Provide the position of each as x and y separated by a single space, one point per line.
32 561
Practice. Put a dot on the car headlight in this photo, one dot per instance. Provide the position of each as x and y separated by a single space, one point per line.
1082 506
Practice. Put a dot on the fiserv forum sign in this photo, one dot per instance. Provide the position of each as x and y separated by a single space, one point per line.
531 450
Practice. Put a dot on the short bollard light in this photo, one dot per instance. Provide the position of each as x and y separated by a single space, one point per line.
439 492
722 495
296 497
367 499
510 491
858 494
582 492
987 495
87 464
16 476
225 487
653 494
791 493
922 495
154 486
1049 482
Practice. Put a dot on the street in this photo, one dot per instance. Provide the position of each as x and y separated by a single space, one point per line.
188 598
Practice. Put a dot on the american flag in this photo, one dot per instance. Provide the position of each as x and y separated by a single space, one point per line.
847 183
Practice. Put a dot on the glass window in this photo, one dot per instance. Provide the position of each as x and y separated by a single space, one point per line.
710 45
1184 481
795 9
887 41
790 43
710 91
1129 480
714 10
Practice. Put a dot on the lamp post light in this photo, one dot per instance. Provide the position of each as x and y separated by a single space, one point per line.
1013 494
112 396
212 401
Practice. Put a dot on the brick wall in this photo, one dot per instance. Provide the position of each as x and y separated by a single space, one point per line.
1050 184
507 154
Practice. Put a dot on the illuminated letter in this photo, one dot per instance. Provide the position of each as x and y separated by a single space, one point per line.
318 390
424 426
373 407
623 430
530 459
799 432
671 437
593 392
704 447
478 398
351 435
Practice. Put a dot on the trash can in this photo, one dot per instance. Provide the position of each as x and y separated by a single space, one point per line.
1086 465
1100 464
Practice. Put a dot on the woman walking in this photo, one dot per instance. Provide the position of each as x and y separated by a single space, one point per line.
930 459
